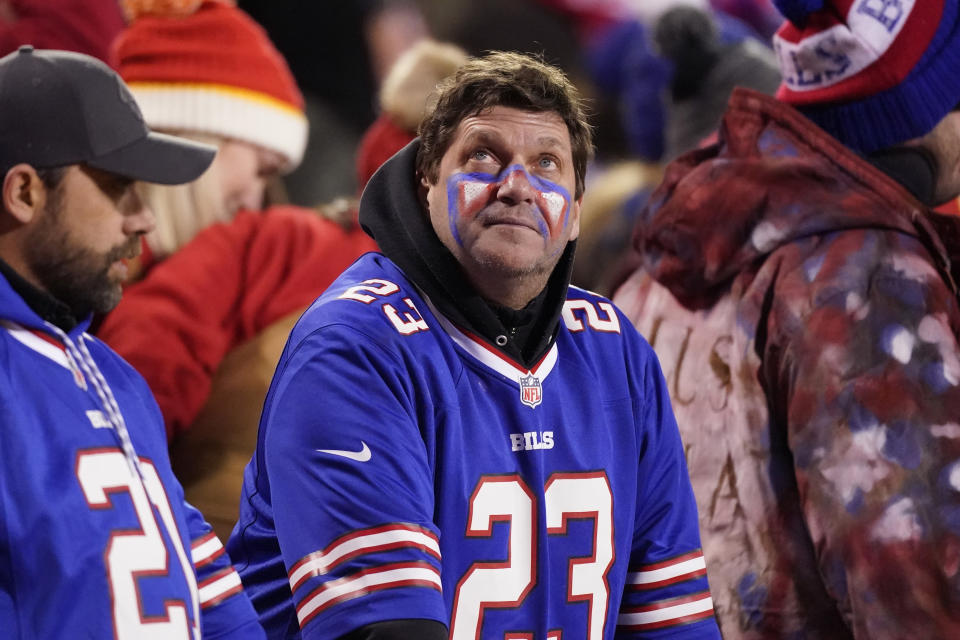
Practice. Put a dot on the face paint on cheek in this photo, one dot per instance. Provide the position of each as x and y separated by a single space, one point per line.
467 194
555 206
554 202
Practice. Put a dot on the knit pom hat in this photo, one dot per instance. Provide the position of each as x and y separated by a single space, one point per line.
403 100
873 73
205 66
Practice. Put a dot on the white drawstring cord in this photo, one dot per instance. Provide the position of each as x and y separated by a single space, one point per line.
107 400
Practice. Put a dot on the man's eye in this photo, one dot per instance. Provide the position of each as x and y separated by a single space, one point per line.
480 155
548 163
118 188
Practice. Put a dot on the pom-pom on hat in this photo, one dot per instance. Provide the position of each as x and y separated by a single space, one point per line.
205 66
873 73
412 78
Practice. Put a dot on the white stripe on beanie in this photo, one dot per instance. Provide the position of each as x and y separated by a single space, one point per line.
225 111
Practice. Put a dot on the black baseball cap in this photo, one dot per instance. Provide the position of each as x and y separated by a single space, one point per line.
59 108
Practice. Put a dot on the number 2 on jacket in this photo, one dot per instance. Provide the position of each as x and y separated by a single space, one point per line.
506 584
131 553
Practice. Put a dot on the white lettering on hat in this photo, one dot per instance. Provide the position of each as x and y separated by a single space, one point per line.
830 56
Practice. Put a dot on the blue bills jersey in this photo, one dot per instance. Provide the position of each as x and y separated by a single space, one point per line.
92 544
405 469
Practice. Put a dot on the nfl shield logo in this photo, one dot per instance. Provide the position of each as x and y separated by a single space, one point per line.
530 392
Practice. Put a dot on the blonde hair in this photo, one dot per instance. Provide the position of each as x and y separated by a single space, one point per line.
414 76
182 211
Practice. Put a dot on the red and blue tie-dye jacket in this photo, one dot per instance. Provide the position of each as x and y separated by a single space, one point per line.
803 308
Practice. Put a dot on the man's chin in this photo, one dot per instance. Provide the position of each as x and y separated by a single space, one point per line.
110 299
105 299
510 264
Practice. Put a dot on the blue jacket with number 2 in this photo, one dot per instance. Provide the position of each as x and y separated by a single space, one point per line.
96 540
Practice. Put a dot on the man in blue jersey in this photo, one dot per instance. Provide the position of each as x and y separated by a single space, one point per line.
96 540
458 444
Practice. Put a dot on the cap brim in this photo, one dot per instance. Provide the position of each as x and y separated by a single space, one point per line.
158 158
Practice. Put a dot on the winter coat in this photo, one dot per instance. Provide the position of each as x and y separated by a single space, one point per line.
804 310
96 539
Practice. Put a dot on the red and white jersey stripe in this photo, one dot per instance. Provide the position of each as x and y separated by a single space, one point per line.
653 576
206 549
666 613
389 576
47 346
667 593
221 584
364 541
218 587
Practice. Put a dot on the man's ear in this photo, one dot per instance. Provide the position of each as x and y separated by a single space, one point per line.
24 193
423 187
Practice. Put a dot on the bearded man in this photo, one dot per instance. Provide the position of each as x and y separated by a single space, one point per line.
96 540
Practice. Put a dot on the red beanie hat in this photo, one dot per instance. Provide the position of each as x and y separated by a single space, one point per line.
207 67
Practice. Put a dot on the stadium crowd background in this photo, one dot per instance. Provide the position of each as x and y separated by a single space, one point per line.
656 75
652 94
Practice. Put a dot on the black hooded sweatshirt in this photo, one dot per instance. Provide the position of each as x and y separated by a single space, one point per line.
391 212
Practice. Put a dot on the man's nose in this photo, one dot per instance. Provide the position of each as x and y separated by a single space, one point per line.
516 188
138 217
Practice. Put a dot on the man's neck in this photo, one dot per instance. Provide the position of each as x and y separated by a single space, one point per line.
510 292
42 303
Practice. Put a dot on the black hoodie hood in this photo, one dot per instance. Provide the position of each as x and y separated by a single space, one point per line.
391 213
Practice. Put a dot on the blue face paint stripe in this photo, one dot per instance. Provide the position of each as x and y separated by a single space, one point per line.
478 176
542 225
452 198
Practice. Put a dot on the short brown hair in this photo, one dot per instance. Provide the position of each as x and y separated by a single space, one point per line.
504 79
